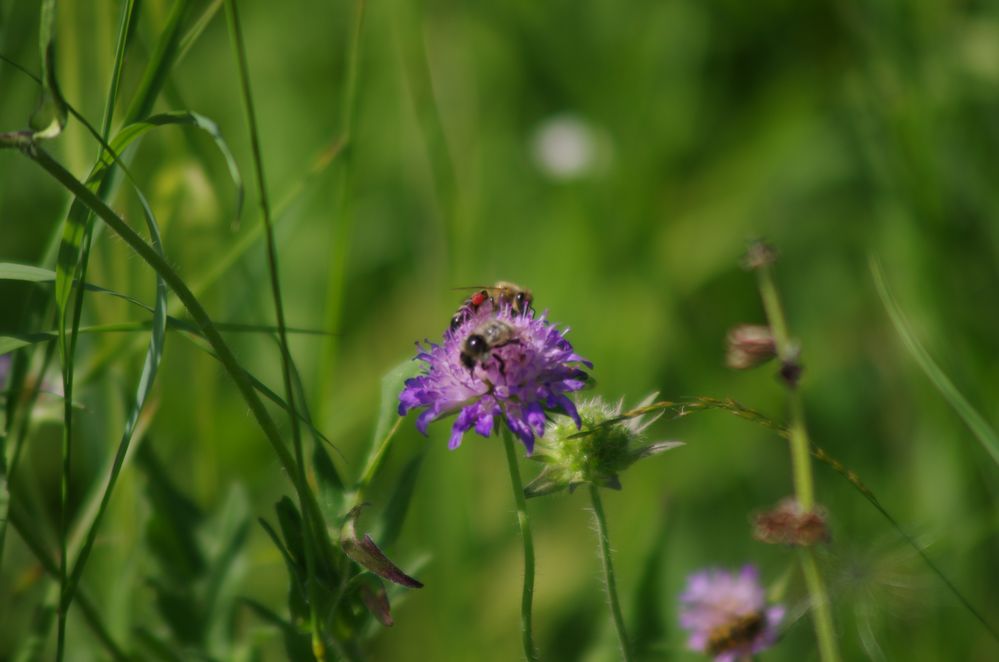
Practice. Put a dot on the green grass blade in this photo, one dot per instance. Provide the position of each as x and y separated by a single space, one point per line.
197 28
183 118
159 65
239 48
211 333
146 379
118 66
343 218
25 272
983 432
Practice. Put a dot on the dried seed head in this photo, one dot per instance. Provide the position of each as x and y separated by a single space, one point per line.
787 524
759 254
749 345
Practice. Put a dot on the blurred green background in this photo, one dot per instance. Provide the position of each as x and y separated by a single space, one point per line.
614 158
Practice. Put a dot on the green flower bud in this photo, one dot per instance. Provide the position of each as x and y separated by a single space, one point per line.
603 446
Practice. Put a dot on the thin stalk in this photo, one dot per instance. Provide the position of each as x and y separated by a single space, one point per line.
820 606
343 216
232 14
801 463
527 596
605 556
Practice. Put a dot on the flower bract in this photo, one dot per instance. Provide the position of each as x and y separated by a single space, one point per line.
607 445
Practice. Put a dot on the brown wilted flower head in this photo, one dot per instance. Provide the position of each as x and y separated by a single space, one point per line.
787 524
749 345
759 254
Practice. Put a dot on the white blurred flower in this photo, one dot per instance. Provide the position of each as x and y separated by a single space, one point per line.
565 147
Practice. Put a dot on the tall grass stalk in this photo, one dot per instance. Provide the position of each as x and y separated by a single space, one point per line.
235 30
787 353
527 594
343 218
609 580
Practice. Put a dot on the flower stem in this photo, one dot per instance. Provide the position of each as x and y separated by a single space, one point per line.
527 597
801 463
820 608
605 556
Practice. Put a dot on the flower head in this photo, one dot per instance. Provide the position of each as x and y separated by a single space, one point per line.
606 446
496 365
727 615
749 345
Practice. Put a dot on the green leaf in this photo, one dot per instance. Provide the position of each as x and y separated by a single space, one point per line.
328 481
25 272
298 646
174 521
297 604
395 512
226 533
9 344
290 522
387 422
388 404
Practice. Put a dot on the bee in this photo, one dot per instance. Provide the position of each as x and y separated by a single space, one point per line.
502 293
487 337
736 633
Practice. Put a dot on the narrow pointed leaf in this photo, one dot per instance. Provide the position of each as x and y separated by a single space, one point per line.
366 553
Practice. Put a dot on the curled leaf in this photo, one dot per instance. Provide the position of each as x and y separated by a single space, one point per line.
365 552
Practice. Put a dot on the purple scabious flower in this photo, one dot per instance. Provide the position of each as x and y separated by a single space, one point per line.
727 615
522 368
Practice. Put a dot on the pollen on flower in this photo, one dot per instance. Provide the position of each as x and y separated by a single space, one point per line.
727 614
496 365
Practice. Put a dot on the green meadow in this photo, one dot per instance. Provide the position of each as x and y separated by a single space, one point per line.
376 163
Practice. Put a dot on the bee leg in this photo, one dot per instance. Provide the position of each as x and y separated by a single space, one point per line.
468 362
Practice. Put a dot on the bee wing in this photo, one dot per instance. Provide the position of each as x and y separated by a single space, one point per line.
468 288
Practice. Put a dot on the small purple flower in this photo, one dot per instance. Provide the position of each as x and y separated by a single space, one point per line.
727 615
527 368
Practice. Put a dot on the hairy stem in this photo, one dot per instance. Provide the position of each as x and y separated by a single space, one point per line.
611 583
800 461
527 597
